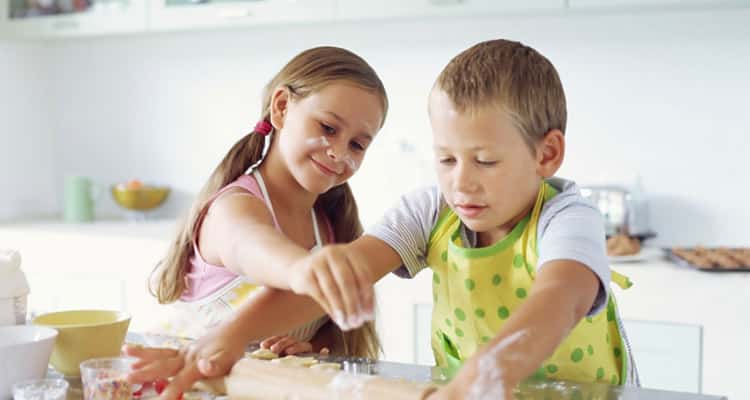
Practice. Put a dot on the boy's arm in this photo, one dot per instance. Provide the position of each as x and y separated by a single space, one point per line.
406 227
562 294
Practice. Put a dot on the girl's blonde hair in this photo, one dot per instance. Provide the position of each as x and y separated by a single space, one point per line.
307 73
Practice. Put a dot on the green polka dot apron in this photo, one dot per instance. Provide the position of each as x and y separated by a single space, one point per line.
477 289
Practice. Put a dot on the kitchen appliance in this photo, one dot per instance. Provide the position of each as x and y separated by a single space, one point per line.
625 210
14 289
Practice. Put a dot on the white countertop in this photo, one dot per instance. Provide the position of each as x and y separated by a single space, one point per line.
150 228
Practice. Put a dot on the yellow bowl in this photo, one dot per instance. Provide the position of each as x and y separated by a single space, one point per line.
141 199
84 334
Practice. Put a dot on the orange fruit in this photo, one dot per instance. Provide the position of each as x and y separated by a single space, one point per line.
134 184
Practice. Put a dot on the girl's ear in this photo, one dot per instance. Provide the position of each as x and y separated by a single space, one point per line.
550 153
279 103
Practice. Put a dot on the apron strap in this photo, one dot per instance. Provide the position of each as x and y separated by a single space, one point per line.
621 280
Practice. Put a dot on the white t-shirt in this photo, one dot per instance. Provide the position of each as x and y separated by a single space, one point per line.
570 228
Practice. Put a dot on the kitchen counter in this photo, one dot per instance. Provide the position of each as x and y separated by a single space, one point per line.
161 229
716 302
529 390
105 264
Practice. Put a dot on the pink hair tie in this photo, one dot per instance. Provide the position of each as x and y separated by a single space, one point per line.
263 127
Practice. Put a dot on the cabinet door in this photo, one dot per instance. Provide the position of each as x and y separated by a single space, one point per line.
600 4
399 316
189 14
366 9
668 356
423 334
61 18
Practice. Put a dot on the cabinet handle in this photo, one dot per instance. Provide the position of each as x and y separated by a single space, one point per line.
235 13
64 25
445 2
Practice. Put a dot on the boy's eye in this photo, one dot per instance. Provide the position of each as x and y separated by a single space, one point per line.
329 130
486 163
357 146
446 160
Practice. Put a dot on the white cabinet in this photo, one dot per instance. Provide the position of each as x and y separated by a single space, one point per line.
188 14
97 17
402 306
669 356
102 265
644 4
368 9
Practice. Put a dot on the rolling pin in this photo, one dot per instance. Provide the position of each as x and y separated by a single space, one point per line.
252 379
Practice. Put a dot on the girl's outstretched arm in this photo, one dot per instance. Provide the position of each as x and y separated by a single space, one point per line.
268 313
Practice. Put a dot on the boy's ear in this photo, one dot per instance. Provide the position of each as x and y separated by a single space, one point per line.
550 153
279 104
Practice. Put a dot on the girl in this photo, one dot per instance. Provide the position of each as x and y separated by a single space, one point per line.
258 213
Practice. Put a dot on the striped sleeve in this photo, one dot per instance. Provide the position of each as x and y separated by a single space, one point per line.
406 228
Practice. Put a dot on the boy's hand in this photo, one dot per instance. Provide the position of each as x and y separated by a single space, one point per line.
472 384
286 345
211 356
337 278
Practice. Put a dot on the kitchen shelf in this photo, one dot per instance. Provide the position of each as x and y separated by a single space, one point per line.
101 18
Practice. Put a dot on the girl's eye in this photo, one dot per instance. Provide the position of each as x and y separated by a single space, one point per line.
446 160
329 130
486 163
357 146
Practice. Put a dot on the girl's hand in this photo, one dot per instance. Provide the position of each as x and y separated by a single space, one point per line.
211 356
286 345
337 278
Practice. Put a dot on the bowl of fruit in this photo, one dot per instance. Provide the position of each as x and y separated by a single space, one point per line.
136 196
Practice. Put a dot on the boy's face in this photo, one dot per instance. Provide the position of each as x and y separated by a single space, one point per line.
485 170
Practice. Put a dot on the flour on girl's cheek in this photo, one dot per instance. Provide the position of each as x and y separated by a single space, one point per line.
317 143
489 383
323 143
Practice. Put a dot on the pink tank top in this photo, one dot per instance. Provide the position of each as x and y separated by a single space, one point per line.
204 278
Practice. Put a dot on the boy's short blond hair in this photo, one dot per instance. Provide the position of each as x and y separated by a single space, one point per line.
514 77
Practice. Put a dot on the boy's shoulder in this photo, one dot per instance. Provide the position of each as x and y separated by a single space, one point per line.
569 202
568 194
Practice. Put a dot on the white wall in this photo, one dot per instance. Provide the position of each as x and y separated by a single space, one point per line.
660 95
27 159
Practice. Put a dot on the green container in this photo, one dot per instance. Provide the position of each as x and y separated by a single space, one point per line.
79 197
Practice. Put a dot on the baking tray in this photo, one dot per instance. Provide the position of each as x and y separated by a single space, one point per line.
711 265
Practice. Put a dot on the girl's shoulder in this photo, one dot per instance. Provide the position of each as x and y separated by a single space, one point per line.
246 182
228 201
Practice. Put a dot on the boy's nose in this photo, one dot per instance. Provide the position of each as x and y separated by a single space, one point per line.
464 179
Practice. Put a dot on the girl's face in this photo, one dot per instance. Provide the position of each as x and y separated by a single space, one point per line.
324 136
